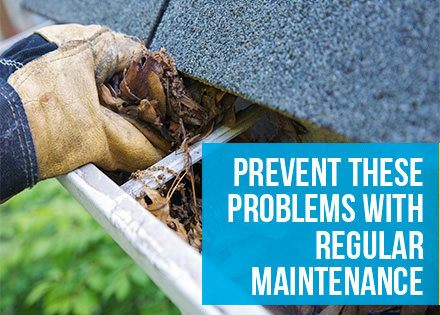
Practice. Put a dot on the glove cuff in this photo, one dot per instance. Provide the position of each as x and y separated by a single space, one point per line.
23 52
18 160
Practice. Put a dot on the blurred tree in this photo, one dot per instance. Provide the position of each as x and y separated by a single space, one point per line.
55 259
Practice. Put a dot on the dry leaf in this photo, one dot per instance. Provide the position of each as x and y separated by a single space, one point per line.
142 79
195 236
109 98
177 227
155 203
132 84
159 206
155 92
147 111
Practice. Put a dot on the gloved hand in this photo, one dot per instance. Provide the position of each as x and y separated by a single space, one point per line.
59 93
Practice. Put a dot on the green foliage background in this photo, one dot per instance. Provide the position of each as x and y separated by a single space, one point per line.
55 259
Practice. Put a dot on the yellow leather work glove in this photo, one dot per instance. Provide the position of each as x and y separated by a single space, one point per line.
59 93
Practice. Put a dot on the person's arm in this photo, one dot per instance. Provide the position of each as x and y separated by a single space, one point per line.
18 161
51 121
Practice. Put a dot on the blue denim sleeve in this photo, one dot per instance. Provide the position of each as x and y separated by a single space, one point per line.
18 160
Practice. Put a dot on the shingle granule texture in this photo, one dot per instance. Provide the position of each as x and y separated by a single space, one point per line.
132 17
366 69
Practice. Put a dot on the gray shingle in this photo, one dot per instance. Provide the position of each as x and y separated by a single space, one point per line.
366 69
132 17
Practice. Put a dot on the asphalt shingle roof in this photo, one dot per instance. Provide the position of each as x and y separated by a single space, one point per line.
132 17
366 69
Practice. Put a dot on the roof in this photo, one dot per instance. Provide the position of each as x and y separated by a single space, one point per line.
132 17
365 69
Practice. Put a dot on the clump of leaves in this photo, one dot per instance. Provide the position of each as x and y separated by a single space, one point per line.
151 94
172 113
178 204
